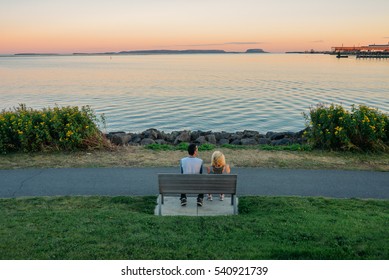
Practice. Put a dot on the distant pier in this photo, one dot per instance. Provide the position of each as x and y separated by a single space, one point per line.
373 55
370 51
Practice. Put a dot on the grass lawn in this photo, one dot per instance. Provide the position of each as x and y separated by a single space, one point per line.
114 228
242 156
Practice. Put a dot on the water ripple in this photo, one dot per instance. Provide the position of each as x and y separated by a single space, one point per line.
222 92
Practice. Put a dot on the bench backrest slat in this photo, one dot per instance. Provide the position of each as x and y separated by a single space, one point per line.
197 183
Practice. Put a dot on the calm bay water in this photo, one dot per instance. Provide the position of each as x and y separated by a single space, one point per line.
230 92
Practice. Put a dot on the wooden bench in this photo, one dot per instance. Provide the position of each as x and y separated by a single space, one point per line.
197 184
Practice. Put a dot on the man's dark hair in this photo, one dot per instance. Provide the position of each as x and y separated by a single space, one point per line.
192 149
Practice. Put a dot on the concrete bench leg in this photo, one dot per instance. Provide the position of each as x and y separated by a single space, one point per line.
160 202
234 203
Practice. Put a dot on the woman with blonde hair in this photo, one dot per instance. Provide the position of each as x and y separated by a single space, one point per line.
218 166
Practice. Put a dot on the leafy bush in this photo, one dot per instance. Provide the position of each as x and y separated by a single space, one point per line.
66 128
362 128
369 128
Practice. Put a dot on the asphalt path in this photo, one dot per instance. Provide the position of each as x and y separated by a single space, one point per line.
143 181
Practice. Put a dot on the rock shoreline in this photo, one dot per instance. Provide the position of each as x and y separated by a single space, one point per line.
246 137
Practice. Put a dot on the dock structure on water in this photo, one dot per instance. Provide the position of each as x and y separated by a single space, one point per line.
370 51
373 55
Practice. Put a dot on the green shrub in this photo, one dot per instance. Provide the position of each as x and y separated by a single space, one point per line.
333 127
292 147
160 147
66 128
207 147
369 129
183 146
237 147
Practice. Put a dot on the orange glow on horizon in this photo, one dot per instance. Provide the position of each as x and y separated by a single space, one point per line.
279 26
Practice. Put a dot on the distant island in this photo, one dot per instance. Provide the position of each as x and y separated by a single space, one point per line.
143 52
45 54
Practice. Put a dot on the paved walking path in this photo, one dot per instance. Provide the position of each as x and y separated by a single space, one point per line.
143 181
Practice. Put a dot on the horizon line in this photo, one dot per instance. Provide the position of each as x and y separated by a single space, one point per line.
134 51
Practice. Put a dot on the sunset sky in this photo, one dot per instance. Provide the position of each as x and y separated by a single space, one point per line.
67 26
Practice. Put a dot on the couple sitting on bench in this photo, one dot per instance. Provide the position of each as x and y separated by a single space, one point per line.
194 165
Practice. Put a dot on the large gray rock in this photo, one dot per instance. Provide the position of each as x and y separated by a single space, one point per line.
217 136
235 136
136 138
225 135
184 136
119 138
281 135
250 134
170 137
162 135
236 142
224 141
248 141
200 140
263 141
205 133
151 133
147 141
282 142
211 138
160 141
269 134
195 135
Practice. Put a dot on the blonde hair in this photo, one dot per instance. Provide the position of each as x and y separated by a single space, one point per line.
218 159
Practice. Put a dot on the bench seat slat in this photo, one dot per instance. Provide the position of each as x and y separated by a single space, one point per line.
197 183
